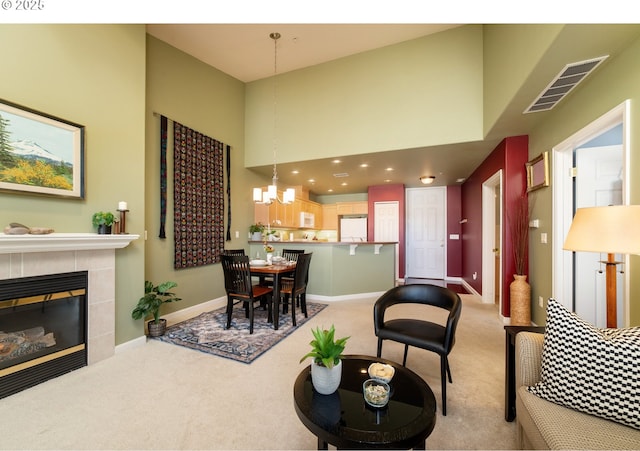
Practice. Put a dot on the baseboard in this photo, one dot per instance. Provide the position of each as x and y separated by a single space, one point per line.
344 297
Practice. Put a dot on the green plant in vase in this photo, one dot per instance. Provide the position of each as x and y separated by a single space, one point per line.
149 305
103 221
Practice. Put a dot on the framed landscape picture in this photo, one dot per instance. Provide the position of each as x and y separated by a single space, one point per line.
39 153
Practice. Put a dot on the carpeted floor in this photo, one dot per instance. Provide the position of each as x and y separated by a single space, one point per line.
206 332
159 396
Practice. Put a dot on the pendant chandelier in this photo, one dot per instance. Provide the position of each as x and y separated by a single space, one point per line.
271 194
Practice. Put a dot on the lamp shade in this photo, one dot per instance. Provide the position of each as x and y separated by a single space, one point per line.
613 229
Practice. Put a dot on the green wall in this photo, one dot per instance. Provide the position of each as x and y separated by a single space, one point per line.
422 92
93 75
188 91
612 84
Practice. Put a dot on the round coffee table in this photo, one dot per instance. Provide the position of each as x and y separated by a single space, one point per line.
345 420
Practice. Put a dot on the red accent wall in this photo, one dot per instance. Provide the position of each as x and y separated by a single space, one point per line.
510 156
387 193
454 216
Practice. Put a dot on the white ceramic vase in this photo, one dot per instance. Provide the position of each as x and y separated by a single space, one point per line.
326 380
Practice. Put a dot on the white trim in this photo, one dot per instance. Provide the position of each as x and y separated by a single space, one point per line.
55 242
562 209
488 231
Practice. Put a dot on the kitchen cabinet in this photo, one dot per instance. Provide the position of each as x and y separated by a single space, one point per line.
330 217
287 216
352 208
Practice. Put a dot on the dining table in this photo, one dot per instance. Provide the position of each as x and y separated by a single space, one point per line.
277 272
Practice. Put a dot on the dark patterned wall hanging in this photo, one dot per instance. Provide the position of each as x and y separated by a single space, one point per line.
198 198
163 176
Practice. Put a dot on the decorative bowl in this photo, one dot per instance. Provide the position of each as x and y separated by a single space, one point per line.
381 372
376 393
258 262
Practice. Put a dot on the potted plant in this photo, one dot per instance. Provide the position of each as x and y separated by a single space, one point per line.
149 305
326 367
256 231
103 221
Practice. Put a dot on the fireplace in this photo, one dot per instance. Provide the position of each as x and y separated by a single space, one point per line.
43 328
32 256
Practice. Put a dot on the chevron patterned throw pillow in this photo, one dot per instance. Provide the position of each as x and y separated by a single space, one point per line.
596 371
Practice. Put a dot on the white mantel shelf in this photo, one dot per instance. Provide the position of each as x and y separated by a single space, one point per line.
56 242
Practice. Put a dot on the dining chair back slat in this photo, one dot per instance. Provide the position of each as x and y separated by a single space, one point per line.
238 285
296 289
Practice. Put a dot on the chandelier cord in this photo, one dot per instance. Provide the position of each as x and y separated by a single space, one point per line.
275 37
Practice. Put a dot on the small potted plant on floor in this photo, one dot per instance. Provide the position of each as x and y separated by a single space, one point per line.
326 367
103 221
149 306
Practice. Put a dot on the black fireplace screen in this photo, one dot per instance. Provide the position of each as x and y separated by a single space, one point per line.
43 328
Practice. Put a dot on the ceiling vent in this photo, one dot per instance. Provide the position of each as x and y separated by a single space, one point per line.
563 83
341 174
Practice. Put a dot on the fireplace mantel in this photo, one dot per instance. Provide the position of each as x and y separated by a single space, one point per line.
55 242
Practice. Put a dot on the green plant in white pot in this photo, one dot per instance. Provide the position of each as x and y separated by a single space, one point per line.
149 306
326 367
256 231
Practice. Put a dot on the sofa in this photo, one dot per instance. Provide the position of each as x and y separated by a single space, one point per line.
542 424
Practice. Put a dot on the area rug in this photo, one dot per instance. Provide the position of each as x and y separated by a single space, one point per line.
206 332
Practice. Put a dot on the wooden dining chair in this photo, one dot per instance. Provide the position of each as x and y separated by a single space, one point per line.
295 290
233 252
239 287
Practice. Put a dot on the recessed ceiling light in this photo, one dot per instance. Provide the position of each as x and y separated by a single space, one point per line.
295 171
387 181
389 169
311 180
460 180
337 161
330 190
344 183
364 165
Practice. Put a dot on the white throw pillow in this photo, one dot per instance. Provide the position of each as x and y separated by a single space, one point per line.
596 371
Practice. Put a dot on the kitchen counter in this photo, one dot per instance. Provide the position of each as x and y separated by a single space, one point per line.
344 269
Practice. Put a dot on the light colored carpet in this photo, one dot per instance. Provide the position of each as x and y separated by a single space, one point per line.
161 396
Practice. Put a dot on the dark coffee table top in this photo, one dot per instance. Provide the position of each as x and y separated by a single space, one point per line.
345 420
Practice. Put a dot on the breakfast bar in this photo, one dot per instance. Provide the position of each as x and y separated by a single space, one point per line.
342 269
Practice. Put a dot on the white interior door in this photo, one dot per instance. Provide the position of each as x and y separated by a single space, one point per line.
387 224
425 243
598 183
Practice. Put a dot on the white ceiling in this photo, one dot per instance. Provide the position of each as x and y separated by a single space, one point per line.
246 52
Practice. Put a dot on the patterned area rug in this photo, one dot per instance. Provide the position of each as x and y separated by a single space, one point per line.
206 332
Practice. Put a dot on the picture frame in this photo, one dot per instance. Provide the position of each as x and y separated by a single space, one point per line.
40 154
538 172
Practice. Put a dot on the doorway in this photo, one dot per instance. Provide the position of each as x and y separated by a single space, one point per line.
425 247
492 240
569 194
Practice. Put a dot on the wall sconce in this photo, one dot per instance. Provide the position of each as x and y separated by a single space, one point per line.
427 179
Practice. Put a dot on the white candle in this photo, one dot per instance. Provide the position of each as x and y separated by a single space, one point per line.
122 205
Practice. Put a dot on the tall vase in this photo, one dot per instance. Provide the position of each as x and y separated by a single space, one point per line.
326 380
520 298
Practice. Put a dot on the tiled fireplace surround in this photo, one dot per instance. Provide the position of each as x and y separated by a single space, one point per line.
35 255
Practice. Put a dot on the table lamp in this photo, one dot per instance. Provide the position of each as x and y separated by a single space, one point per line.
612 230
